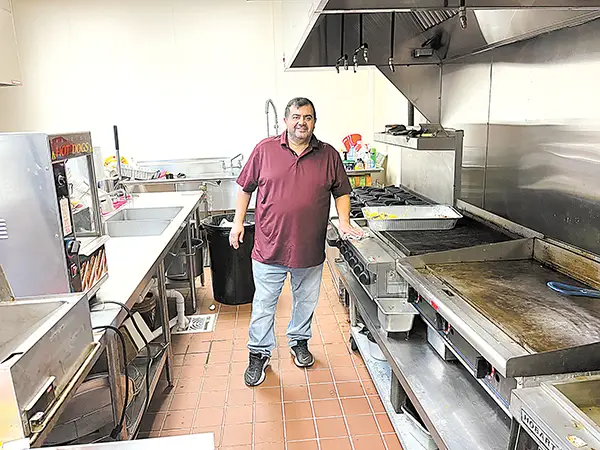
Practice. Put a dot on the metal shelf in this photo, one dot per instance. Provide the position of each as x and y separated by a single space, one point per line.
443 143
135 410
458 413
354 173
381 374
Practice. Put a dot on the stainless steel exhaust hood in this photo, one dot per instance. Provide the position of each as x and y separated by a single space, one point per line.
422 35
419 28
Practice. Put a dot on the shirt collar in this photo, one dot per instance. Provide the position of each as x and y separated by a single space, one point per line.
313 144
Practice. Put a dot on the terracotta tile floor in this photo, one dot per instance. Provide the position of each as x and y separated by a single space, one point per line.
333 405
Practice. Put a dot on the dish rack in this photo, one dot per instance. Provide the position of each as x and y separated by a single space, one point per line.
138 173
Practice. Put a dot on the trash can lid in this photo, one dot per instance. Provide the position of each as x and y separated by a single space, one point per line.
228 224
225 221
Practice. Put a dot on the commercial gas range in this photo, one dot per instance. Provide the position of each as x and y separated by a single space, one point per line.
382 196
481 290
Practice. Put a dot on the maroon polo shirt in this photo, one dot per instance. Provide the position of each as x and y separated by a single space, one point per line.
293 199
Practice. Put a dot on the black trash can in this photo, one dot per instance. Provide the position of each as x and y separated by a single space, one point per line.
231 269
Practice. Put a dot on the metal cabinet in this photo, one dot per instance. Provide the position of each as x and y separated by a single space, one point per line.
10 71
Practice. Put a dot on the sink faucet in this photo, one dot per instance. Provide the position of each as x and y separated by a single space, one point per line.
268 103
239 157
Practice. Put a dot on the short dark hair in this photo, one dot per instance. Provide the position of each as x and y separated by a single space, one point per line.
299 102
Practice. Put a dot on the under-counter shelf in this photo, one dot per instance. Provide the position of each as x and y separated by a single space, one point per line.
136 410
438 143
458 413
381 374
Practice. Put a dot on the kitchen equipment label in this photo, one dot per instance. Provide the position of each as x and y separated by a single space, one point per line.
537 432
65 215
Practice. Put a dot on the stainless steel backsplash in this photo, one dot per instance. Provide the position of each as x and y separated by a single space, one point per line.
531 116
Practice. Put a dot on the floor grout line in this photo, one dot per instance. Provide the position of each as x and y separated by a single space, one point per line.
332 321
336 391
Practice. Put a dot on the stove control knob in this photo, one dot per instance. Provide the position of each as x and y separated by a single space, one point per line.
73 247
61 180
352 261
358 269
365 277
347 254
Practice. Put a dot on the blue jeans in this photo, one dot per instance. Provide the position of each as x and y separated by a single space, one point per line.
269 280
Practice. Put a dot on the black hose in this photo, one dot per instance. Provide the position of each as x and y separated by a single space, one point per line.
146 343
115 432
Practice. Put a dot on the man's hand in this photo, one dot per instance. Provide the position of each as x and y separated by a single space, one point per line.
346 229
236 235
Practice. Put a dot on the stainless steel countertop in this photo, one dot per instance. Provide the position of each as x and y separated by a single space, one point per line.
132 260
459 414
203 441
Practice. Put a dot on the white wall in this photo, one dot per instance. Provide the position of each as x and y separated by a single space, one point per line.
181 78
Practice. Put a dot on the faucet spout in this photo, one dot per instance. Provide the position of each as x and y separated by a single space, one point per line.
269 103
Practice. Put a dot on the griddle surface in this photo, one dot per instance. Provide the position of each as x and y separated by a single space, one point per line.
467 233
514 296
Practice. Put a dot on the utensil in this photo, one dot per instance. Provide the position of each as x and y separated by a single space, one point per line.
567 289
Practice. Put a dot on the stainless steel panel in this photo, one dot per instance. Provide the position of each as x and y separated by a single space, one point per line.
465 105
57 340
543 156
421 85
33 258
549 422
430 174
223 197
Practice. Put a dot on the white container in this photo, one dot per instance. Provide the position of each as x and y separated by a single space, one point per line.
375 351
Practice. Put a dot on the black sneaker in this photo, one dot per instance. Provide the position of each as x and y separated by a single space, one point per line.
302 356
255 373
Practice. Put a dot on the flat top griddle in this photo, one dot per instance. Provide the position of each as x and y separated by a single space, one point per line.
467 233
514 296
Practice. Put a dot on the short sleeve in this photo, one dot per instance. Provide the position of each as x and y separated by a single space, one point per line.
341 184
250 174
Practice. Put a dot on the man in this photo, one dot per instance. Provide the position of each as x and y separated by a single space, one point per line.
295 175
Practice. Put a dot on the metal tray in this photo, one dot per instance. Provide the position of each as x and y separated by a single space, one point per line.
395 315
413 217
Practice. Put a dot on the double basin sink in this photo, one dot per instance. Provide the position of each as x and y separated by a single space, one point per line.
138 222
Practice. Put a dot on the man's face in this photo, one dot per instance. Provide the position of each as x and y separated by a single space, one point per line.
300 123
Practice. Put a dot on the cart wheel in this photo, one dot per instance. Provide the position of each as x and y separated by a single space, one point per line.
353 345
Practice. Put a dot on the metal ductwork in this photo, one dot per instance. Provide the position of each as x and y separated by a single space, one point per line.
409 40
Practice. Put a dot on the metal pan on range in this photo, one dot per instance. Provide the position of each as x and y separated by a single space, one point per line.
411 217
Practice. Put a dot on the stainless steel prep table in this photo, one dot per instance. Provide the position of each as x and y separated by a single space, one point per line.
458 413
133 262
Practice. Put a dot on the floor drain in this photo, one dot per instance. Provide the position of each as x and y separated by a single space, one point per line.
204 323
